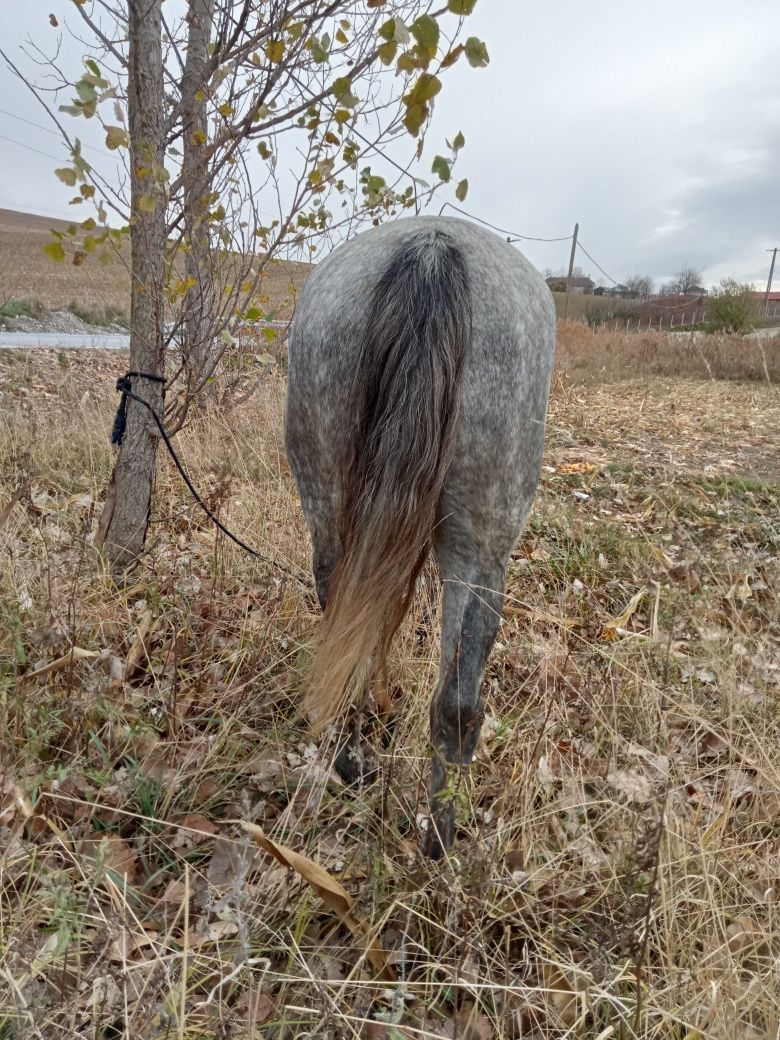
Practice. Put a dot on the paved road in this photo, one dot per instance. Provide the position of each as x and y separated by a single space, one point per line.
71 341
61 341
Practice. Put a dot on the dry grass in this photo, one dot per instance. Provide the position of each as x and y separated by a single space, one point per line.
588 354
25 271
618 855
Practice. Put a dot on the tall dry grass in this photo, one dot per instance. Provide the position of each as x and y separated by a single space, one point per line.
587 354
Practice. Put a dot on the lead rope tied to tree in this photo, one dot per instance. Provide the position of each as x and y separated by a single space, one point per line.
124 387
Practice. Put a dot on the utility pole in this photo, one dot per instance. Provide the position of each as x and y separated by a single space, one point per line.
769 283
571 269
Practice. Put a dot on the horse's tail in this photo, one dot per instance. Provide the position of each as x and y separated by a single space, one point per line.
404 405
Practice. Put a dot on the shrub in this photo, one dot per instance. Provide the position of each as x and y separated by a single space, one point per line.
731 307
29 307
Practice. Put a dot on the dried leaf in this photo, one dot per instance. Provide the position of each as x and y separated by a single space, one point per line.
634 786
110 851
175 893
578 467
621 620
137 650
333 894
73 655
192 830
561 993
253 1009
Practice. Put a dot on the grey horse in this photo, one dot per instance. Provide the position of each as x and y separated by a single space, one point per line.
419 372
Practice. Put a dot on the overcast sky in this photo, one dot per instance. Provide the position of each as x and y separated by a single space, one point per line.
655 125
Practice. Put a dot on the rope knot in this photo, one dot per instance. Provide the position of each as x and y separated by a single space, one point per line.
125 388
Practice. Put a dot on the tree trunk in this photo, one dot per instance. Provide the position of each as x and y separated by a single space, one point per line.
125 517
199 302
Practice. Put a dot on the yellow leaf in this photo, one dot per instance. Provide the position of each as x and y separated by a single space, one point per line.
116 137
147 204
54 251
332 894
76 654
66 175
578 467
274 50
622 619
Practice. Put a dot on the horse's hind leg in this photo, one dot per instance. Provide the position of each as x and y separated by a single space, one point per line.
474 574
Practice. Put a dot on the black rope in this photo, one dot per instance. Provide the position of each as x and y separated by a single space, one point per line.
123 385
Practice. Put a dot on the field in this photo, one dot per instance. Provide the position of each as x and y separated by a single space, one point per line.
617 866
26 273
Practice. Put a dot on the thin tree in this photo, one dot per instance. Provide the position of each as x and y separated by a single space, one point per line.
640 285
289 104
126 512
686 279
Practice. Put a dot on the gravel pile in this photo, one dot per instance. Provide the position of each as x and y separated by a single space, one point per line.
59 322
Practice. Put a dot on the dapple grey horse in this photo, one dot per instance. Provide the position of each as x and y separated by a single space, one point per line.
419 372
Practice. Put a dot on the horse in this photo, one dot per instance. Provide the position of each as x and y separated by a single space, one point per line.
419 369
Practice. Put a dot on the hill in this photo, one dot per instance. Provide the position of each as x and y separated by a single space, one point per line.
26 272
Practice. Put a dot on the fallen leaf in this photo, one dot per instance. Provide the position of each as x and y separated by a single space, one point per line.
468 1024
109 850
73 655
174 893
621 620
634 786
253 1009
578 467
127 943
192 830
561 993
138 649
333 894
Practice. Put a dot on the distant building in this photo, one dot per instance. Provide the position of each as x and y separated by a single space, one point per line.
697 290
583 286
619 292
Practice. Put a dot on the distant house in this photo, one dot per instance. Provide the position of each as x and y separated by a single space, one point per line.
582 285
697 290
619 292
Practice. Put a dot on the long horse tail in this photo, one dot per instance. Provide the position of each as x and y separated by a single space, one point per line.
404 404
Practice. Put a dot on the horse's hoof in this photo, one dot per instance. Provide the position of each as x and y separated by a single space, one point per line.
354 767
440 835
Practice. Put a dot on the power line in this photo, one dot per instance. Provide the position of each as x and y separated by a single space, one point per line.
598 265
46 130
46 155
503 231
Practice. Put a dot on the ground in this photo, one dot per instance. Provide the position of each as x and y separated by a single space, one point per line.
618 852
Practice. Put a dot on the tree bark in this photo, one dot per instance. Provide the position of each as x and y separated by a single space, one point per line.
125 517
199 301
